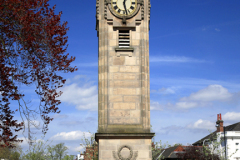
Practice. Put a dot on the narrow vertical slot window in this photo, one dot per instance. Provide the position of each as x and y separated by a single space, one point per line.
124 39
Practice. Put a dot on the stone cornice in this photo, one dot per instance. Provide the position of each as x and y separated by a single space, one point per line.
123 136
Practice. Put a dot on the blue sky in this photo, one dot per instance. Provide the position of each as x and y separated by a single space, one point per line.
194 70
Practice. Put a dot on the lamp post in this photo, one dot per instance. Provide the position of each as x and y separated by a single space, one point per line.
225 142
203 145
205 140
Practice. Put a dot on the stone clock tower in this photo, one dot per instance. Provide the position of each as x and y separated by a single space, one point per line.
123 80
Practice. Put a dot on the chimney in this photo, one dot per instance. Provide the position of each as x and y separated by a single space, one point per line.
220 123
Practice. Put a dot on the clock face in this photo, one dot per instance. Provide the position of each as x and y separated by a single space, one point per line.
124 7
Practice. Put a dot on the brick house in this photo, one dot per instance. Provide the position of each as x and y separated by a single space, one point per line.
91 152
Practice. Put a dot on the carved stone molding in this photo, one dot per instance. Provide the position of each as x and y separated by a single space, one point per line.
118 156
149 9
97 14
97 9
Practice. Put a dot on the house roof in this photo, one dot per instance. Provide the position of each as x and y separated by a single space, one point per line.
172 152
233 127
168 153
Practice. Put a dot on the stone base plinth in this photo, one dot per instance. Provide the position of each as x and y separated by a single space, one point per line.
117 146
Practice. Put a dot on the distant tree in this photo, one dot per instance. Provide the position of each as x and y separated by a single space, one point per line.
60 150
12 153
32 50
68 157
51 152
41 150
9 153
37 151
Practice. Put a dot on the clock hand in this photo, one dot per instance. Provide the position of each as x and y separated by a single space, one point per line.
124 4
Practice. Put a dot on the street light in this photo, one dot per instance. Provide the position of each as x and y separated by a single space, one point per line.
203 145
217 125
205 140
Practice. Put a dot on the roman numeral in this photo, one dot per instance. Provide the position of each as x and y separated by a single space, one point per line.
116 2
119 10
115 7
133 3
132 7
128 11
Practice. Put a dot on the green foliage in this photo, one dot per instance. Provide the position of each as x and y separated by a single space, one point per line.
38 151
41 151
12 153
9 153
68 157
60 151
87 142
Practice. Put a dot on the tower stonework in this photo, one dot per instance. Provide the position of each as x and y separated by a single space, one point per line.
123 80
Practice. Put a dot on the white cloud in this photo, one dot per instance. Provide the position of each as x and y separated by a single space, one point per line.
73 135
170 129
201 98
210 93
60 116
217 29
156 106
231 116
83 97
175 59
202 124
186 105
77 149
170 90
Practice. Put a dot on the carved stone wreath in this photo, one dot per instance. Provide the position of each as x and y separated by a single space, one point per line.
119 152
118 156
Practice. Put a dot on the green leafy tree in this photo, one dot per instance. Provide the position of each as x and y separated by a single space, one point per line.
68 157
38 151
9 153
41 150
12 153
51 152
60 151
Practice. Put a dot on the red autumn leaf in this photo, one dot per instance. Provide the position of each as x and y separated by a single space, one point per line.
40 40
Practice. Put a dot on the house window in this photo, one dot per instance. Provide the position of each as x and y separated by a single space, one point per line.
124 39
